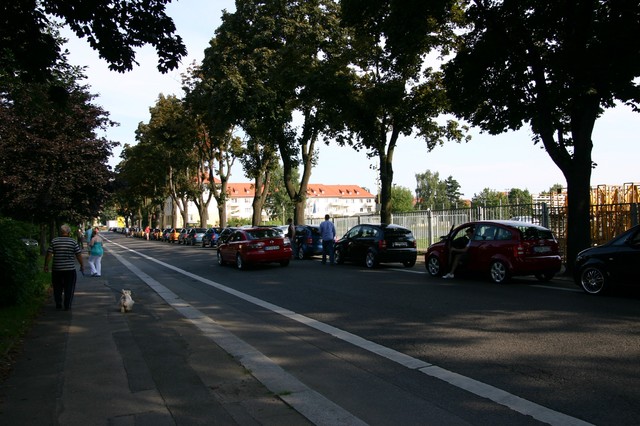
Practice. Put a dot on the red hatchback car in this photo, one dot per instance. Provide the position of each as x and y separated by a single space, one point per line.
254 245
499 248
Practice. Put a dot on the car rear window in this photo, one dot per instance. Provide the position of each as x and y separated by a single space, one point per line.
264 233
398 232
532 233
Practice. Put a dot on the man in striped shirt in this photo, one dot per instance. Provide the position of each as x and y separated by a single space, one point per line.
65 251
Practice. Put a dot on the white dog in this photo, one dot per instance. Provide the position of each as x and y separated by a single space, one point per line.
126 302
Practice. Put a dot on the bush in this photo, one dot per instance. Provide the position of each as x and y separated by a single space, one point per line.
18 265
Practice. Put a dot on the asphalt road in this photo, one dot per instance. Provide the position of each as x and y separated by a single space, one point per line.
395 346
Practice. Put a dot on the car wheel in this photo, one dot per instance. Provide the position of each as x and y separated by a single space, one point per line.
370 260
338 257
434 267
300 253
239 262
284 263
545 276
593 280
498 272
409 263
220 261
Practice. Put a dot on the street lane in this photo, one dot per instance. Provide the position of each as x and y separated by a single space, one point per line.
526 340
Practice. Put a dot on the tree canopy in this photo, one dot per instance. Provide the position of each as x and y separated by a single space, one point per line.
52 163
113 28
390 93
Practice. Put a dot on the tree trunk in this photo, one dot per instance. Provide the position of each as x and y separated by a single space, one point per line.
386 180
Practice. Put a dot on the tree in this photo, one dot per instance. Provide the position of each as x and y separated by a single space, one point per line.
216 144
388 92
278 204
518 196
433 193
489 198
554 66
53 166
171 133
272 57
401 199
113 28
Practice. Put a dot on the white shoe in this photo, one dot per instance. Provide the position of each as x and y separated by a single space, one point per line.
449 275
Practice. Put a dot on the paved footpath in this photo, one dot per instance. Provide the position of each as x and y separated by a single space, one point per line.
96 366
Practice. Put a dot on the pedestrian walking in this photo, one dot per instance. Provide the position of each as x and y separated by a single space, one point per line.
63 249
96 252
328 233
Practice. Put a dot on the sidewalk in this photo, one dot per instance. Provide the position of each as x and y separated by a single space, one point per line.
94 365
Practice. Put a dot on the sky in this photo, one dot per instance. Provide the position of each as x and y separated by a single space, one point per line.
499 163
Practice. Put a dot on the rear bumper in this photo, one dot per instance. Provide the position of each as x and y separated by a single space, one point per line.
534 265
398 255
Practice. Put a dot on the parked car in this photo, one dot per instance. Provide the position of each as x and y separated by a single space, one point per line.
500 249
254 245
225 234
308 241
174 235
182 237
30 242
166 234
598 269
195 236
210 237
375 244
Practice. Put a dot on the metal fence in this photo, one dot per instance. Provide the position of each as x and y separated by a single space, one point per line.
607 220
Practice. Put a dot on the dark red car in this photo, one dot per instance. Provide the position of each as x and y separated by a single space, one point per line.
500 249
254 245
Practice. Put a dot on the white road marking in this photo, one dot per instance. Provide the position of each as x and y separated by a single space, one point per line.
275 377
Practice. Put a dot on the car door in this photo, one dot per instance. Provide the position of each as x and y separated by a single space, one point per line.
349 249
484 247
364 240
231 247
622 262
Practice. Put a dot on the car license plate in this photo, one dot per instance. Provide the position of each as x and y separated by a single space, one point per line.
542 249
400 244
269 248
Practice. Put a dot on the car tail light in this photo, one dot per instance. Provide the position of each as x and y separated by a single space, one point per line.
382 244
518 250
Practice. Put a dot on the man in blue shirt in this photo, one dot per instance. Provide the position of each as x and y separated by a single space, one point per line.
328 233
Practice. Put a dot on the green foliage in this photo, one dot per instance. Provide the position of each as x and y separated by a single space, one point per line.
489 198
19 265
52 163
401 199
113 28
435 194
388 93
278 205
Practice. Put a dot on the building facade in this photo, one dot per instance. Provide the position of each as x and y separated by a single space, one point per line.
336 200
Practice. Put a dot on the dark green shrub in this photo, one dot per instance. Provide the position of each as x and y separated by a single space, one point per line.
18 264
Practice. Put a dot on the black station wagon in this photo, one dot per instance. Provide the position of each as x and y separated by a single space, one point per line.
375 244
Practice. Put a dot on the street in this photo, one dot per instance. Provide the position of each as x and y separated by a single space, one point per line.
395 346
